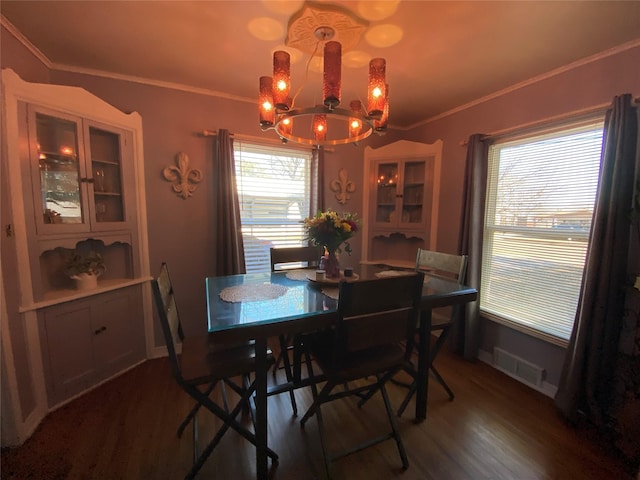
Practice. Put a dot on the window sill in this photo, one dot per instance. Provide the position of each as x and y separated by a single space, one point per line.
561 342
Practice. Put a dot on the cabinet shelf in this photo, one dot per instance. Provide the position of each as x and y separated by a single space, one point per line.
105 162
57 158
107 194
55 297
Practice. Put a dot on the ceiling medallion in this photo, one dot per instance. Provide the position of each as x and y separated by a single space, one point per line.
347 27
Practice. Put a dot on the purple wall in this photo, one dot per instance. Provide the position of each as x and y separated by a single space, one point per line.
181 232
588 85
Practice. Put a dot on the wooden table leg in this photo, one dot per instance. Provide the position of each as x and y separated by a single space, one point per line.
262 468
422 385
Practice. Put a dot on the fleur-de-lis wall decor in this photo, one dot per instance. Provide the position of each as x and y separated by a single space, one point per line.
183 177
343 186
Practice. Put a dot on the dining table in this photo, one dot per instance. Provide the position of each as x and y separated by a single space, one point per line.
259 306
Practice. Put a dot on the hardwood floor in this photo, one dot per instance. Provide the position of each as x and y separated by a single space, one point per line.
495 428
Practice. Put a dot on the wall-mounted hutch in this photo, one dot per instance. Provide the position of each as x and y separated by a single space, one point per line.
400 205
76 184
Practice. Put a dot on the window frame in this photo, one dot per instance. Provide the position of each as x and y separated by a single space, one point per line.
590 122
247 228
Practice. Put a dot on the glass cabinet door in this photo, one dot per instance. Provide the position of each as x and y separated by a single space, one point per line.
106 168
79 171
386 192
60 170
413 191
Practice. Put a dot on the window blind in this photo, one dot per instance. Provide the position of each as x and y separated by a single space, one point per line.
274 191
541 192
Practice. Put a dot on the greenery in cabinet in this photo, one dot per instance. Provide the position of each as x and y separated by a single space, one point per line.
91 264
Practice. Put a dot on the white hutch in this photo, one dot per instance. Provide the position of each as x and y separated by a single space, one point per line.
75 180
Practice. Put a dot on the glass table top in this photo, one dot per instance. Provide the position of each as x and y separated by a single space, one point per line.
291 299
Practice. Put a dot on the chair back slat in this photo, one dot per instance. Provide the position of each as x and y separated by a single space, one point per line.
288 255
442 264
378 312
167 310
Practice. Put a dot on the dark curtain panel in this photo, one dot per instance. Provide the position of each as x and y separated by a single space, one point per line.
586 381
466 335
229 245
317 181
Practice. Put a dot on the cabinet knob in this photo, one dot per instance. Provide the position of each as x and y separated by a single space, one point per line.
99 331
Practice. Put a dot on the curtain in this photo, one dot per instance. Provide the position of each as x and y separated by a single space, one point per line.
585 389
229 248
467 334
317 181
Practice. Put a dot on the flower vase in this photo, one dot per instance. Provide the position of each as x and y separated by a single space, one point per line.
331 265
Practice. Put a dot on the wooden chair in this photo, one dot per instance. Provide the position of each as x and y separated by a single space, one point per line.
297 257
374 317
200 367
448 266
282 259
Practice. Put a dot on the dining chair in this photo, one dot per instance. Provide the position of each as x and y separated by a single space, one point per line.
370 341
294 257
201 366
443 265
283 259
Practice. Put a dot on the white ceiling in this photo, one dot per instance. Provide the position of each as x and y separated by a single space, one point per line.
450 53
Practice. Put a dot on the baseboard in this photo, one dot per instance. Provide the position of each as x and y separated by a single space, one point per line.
545 388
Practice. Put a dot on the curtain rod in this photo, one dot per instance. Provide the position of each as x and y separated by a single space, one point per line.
556 118
264 140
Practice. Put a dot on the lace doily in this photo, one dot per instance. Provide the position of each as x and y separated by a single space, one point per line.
331 292
298 275
394 273
252 293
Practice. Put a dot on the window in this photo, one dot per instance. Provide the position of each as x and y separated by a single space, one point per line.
274 191
540 195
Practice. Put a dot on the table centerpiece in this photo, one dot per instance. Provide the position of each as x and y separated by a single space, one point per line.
330 230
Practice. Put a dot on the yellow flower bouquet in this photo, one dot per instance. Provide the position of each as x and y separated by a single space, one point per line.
330 230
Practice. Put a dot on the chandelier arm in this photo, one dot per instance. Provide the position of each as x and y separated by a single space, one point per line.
306 76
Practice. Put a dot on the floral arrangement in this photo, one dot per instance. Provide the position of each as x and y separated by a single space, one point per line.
330 229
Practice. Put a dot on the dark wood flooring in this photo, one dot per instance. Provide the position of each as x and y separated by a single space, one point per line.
496 428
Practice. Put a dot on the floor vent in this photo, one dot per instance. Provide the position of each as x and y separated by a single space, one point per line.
517 367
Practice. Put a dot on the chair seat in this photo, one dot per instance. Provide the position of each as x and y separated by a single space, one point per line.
356 365
201 360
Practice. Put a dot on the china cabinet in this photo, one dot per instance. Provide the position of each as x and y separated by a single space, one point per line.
75 178
400 201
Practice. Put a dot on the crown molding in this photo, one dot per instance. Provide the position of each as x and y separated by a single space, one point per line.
552 73
17 34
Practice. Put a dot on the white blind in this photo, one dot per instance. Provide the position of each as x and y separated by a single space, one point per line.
540 197
274 191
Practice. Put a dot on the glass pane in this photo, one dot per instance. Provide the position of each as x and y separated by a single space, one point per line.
414 174
274 191
540 197
59 169
387 178
107 181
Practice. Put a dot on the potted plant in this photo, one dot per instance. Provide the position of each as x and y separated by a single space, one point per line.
85 269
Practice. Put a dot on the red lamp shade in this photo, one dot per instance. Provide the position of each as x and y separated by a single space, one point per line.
281 79
332 74
286 125
355 124
265 102
381 125
320 127
377 69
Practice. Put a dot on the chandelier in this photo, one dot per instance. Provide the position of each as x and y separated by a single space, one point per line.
327 123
